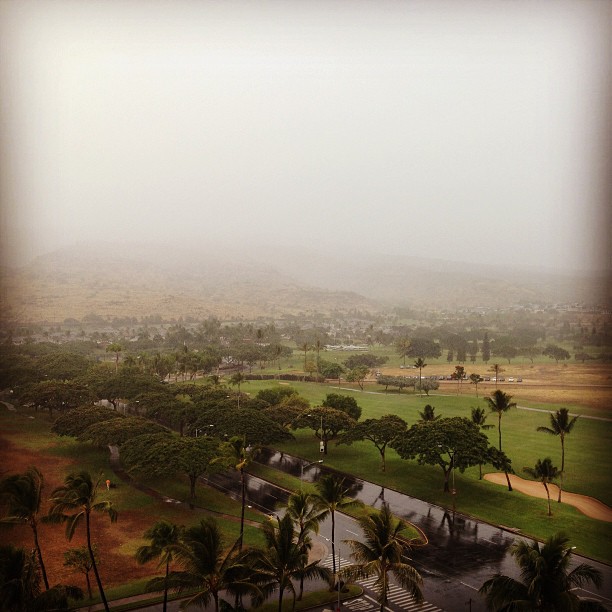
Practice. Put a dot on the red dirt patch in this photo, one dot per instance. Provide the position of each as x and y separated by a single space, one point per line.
116 567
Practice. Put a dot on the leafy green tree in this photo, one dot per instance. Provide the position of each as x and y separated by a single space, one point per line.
63 365
332 495
545 472
450 443
420 364
209 568
327 423
20 497
56 395
364 359
20 585
560 425
506 351
306 515
282 561
249 423
381 432
547 584
556 352
382 553
79 560
486 348
76 421
164 537
358 375
424 348
331 370
427 385
72 503
345 403
166 454
275 395
119 431
500 402
476 379
458 375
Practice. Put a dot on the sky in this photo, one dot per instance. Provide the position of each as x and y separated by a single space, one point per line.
466 131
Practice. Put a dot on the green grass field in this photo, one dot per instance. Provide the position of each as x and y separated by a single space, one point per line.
588 464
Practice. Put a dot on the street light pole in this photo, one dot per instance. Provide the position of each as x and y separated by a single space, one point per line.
303 467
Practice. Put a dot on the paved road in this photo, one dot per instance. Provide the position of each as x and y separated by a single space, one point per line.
462 552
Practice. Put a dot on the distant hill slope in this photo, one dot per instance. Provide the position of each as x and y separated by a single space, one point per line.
137 280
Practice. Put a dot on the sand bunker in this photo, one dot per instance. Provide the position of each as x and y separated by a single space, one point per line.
587 505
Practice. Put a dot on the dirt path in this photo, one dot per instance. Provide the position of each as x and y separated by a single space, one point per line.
587 505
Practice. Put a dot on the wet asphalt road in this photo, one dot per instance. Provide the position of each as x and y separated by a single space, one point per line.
462 552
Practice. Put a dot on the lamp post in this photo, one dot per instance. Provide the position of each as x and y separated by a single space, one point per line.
307 466
337 575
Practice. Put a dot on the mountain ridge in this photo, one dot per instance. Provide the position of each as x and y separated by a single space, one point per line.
250 282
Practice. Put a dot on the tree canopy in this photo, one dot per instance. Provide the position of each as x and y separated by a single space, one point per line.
448 443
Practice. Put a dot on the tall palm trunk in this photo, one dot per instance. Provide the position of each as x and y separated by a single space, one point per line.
562 466
166 585
39 553
500 447
93 562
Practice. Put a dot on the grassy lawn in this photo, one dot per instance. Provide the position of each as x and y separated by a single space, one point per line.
588 464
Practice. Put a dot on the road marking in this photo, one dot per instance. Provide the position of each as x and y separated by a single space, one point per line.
397 596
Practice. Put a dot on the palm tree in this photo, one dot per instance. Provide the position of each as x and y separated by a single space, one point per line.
545 472
21 494
479 418
497 370
74 502
420 363
282 561
475 379
163 536
303 510
403 346
235 453
20 584
304 347
500 402
116 348
332 495
428 413
546 583
560 425
208 567
236 380
382 553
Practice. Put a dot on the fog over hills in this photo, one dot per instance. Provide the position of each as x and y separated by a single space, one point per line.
228 282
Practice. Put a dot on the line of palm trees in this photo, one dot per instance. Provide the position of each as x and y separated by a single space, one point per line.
71 504
206 567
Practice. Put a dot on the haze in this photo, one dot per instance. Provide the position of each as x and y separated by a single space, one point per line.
467 131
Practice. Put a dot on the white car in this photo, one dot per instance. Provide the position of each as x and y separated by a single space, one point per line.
510 379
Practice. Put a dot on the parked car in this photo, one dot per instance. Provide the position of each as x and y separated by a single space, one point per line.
519 379
510 379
